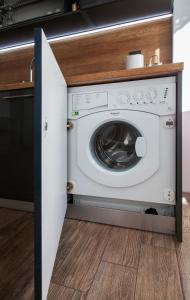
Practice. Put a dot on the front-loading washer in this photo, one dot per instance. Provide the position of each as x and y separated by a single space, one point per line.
122 143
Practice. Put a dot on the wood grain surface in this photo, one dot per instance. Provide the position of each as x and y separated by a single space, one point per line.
159 240
16 86
16 255
57 292
183 249
107 51
158 275
100 52
78 268
124 75
124 247
139 265
106 77
113 282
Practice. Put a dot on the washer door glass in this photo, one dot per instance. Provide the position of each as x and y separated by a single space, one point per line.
113 145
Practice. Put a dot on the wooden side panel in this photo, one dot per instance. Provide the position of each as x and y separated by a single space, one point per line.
105 51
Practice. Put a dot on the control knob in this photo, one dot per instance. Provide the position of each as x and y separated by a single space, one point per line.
151 95
138 97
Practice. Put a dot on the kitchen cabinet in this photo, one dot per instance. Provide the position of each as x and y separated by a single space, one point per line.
50 160
16 149
92 15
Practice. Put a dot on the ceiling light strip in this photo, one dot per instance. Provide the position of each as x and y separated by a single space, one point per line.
66 37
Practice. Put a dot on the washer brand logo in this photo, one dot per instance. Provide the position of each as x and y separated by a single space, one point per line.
75 113
116 113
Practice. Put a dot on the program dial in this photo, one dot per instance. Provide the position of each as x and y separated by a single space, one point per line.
151 95
138 96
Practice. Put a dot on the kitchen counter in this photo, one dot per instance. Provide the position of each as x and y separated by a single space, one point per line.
125 75
111 76
16 86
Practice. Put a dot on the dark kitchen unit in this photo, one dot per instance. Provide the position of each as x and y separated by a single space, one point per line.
17 193
90 15
17 147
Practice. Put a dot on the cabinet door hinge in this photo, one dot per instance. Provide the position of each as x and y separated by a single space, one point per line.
69 125
69 186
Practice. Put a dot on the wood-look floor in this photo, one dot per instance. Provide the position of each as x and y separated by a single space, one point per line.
100 262
16 255
97 262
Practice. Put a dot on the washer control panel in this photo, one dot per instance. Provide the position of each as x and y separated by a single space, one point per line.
89 101
154 99
157 96
141 96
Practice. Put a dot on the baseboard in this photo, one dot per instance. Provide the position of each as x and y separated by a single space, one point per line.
155 223
16 204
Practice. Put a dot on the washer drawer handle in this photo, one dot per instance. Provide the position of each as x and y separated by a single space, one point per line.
140 146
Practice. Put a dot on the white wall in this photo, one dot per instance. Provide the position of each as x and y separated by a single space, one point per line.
186 151
181 52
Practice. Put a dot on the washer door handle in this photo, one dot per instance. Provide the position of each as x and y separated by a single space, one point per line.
140 146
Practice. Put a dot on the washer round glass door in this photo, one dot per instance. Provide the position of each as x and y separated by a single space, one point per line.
113 145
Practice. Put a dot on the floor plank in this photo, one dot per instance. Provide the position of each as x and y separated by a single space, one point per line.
70 229
96 261
124 247
57 292
78 268
159 240
183 249
113 282
7 216
158 275
16 259
183 254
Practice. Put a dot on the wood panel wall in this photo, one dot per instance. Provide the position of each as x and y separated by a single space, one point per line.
98 52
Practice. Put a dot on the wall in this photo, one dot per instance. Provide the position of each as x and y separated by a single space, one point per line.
181 52
186 151
104 51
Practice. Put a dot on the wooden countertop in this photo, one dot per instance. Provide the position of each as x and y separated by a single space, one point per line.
16 86
124 75
106 77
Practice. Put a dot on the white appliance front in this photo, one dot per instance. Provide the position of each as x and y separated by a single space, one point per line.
123 145
131 153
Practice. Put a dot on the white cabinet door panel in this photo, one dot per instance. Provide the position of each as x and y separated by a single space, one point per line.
50 161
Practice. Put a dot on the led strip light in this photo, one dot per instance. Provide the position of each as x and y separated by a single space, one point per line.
66 37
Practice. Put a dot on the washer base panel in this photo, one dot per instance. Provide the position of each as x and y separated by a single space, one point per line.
155 223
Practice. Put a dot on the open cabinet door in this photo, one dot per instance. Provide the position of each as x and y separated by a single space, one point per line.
50 161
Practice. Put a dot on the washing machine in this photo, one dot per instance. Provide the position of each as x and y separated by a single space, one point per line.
122 144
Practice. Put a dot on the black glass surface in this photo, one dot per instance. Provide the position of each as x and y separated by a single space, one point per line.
113 145
93 14
16 145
